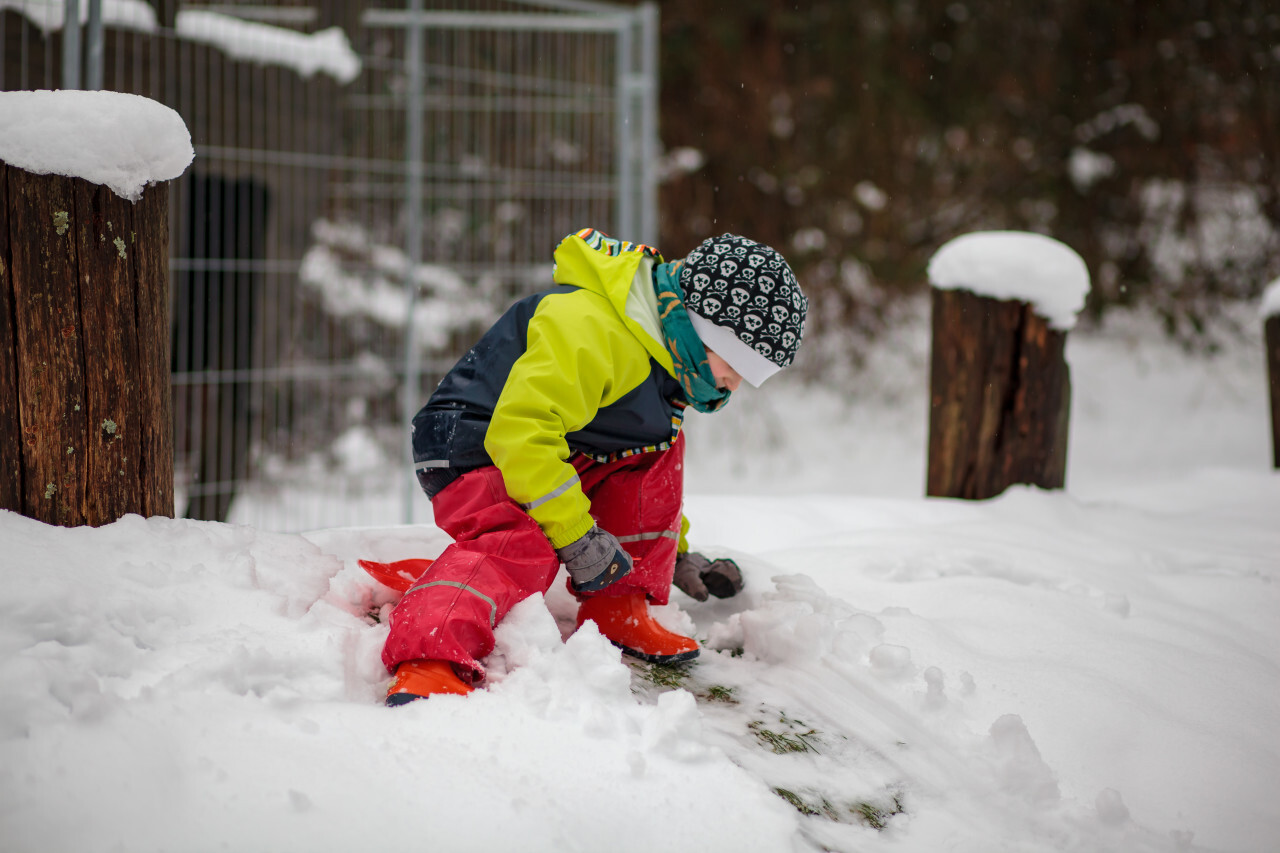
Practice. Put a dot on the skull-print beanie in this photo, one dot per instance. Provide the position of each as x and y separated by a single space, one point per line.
745 304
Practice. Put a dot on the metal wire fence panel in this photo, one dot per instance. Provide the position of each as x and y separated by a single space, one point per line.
324 253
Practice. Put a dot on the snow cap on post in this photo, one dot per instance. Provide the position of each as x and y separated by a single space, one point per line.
122 141
1271 300
1032 268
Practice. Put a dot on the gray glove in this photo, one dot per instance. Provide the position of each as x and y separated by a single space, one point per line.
697 576
595 561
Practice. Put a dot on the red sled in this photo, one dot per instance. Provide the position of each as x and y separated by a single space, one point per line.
399 575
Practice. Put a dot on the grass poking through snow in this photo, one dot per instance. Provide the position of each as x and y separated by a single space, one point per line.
788 736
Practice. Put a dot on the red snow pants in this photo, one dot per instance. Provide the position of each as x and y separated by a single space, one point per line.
500 556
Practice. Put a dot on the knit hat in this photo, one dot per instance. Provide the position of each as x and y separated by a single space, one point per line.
745 304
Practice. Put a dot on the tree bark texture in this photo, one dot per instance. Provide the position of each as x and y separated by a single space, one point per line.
1272 331
84 350
1000 397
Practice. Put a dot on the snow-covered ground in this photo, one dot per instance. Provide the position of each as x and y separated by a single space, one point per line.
1088 670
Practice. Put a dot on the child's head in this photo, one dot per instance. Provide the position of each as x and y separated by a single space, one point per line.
745 304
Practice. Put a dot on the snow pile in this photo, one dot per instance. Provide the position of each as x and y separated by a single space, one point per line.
1015 265
186 685
125 142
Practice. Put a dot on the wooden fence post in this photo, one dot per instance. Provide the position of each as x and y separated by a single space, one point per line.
1273 373
1271 338
84 350
1000 388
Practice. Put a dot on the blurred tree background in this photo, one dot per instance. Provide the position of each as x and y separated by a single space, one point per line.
857 137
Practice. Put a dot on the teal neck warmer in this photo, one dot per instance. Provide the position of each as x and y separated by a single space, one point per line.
687 350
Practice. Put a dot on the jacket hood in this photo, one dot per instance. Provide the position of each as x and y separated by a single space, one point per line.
593 261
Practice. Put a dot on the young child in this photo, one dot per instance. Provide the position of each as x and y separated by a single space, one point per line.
556 439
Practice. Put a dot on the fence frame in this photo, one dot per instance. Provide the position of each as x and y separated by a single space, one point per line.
166 65
635 30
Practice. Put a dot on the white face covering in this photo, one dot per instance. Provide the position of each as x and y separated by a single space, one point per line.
751 365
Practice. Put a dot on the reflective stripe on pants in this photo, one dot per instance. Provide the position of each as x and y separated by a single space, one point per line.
499 557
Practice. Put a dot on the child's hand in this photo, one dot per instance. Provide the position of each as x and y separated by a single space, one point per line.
595 561
697 576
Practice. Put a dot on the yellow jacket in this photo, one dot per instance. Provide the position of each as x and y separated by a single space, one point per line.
578 368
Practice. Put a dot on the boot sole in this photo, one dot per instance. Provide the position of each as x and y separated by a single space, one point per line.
681 657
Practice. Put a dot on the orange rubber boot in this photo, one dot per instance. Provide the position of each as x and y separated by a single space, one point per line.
624 620
418 679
